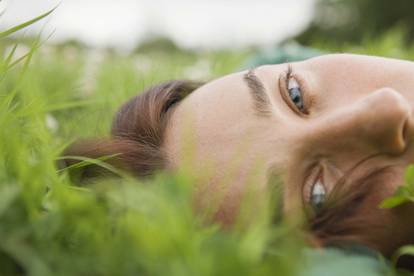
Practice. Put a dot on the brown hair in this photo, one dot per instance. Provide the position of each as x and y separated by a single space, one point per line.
137 133
352 216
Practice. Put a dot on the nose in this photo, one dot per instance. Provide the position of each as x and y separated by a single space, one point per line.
380 123
388 120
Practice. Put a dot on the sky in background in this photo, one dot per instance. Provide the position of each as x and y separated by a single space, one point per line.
123 24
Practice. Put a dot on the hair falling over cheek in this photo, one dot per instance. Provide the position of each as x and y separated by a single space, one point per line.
352 216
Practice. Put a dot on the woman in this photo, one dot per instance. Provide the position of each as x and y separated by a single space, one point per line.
338 131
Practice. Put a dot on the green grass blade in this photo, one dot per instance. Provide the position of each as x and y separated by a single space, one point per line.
10 55
69 105
25 24
90 161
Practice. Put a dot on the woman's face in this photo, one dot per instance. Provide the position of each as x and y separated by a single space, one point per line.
309 122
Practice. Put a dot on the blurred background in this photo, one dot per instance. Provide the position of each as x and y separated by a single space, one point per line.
107 51
125 24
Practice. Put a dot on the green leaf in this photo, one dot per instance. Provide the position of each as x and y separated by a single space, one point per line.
405 250
392 202
25 24
404 193
409 176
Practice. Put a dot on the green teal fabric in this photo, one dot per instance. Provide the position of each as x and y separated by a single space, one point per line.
328 262
287 53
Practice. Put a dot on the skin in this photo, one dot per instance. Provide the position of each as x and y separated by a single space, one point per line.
358 108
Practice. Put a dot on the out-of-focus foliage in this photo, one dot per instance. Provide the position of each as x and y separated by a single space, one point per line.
404 193
157 44
388 44
352 21
51 226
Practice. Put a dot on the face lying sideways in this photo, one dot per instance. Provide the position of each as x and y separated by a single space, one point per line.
333 128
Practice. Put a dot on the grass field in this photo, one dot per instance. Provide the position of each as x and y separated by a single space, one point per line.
50 226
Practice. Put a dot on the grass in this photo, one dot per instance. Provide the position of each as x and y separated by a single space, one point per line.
50 226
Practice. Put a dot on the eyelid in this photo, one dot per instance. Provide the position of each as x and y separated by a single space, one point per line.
283 87
315 174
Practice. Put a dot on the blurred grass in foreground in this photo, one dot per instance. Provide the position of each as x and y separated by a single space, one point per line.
49 226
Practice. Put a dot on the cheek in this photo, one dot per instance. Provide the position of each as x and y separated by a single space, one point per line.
235 195
388 184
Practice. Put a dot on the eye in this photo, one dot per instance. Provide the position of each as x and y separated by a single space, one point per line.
295 93
317 195
291 88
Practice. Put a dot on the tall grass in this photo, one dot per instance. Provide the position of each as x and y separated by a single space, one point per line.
51 226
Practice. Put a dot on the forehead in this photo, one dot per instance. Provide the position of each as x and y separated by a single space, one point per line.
218 102
219 115
214 116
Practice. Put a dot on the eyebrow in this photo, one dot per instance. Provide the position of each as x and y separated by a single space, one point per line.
261 101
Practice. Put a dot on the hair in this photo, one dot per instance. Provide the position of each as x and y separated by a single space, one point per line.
352 217
138 130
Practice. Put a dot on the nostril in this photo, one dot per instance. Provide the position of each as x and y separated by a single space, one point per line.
396 122
407 131
404 132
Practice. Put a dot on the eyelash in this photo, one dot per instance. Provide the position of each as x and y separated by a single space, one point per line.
289 71
284 89
314 174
